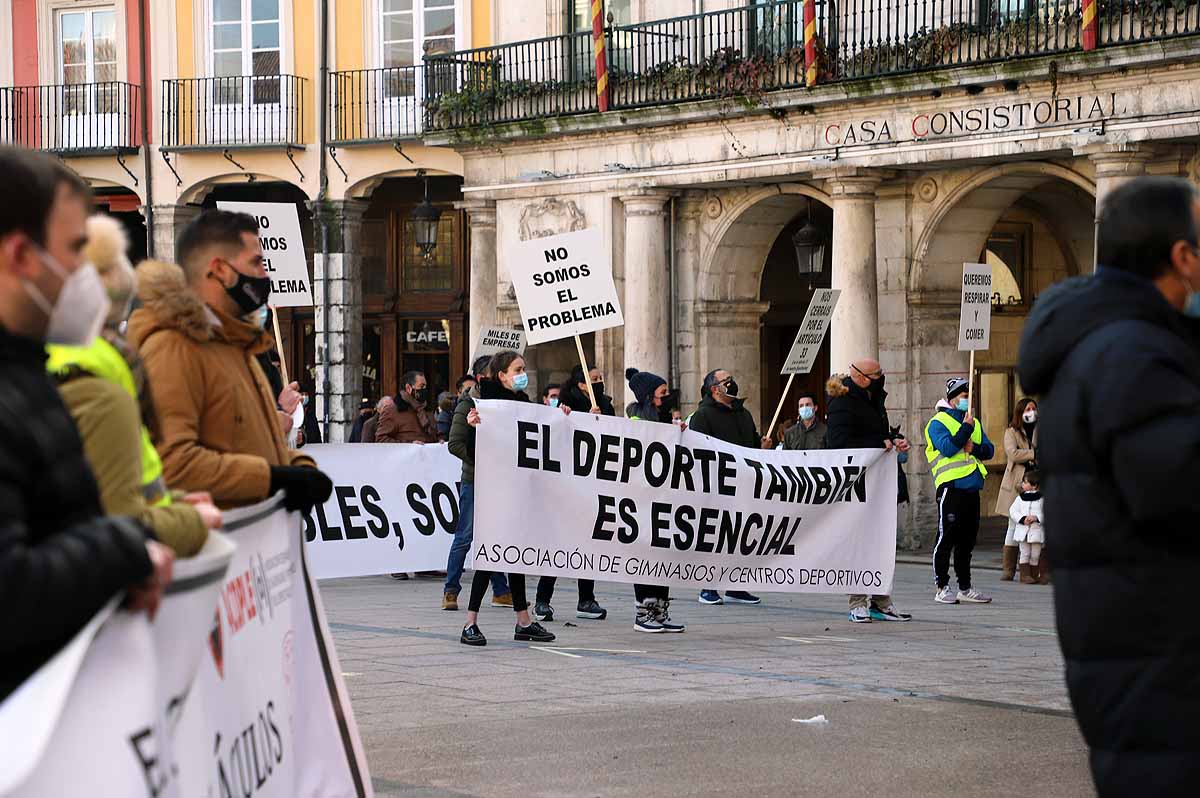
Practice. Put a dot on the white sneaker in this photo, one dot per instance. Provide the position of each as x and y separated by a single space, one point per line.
945 596
860 615
973 596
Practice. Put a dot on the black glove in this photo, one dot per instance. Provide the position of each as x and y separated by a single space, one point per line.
303 487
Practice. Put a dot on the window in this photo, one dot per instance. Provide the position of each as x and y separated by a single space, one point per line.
579 22
246 42
411 29
435 273
1007 252
87 54
775 29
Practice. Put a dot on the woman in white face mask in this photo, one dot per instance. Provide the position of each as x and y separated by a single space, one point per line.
1020 444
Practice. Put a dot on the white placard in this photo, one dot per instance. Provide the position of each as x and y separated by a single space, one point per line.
283 251
499 339
975 322
812 331
564 285
650 504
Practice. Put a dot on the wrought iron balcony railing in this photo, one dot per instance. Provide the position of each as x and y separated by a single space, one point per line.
76 118
236 111
376 104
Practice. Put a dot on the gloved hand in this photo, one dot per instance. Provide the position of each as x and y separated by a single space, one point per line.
302 487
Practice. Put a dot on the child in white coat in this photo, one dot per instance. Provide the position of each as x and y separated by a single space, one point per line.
1026 524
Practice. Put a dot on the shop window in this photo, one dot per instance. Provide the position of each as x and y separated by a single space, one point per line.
376 277
372 351
436 271
425 347
1007 252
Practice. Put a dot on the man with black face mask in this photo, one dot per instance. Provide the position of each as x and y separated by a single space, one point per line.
199 333
408 419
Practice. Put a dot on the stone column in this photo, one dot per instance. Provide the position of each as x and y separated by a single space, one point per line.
647 284
1116 164
729 336
481 218
337 290
854 330
169 221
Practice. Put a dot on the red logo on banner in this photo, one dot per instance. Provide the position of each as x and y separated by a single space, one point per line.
216 644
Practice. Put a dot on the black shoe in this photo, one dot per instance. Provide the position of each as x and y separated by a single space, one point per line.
471 636
401 577
543 612
533 633
741 597
591 611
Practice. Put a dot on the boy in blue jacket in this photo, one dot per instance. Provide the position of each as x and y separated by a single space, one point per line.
956 448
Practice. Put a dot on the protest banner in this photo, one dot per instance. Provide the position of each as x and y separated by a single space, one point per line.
499 339
283 250
808 341
655 505
392 512
975 315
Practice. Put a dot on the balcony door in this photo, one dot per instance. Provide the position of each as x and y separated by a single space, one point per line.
88 97
245 89
408 31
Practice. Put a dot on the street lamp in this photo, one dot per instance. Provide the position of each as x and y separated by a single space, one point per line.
809 242
425 223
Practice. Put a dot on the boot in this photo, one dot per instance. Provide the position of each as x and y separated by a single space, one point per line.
1027 576
1009 568
1043 569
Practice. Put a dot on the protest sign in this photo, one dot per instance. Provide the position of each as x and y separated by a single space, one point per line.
499 339
655 505
564 285
975 316
395 511
812 331
283 250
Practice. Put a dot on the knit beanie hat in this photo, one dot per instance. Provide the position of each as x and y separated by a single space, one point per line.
106 249
643 384
955 386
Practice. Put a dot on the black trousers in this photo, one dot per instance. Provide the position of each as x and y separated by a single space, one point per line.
479 586
643 592
545 590
958 529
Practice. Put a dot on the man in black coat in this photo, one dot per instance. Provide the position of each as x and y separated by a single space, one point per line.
1116 366
61 560
858 419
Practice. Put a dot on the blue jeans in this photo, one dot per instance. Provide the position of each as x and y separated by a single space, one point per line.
463 536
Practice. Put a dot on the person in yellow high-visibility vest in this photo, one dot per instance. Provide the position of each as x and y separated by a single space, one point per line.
956 448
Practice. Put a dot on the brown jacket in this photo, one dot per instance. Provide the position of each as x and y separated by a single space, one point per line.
218 425
405 423
1019 452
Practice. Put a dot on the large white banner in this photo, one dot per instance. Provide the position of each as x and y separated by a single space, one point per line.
633 501
394 508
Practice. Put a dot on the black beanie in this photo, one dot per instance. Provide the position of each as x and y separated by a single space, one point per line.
643 384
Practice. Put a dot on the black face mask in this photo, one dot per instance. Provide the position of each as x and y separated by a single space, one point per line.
249 293
877 385
731 387
420 395
598 388
670 402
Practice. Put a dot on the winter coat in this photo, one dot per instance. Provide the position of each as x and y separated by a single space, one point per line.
462 434
1024 505
730 423
1117 373
369 428
577 400
1019 451
856 418
218 424
798 437
405 422
61 559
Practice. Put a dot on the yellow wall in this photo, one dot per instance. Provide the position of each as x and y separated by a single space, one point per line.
304 59
349 44
481 23
184 40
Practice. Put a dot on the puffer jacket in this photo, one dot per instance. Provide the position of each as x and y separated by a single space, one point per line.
856 418
1117 373
218 424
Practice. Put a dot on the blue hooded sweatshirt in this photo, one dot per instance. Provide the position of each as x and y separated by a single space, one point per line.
950 445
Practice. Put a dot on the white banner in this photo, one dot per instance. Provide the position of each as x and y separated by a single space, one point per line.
812 331
975 316
499 339
283 250
394 509
633 501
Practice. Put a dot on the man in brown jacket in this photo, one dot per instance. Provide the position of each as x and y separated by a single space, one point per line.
219 430
406 420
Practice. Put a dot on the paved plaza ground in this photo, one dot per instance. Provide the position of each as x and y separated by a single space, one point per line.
963 700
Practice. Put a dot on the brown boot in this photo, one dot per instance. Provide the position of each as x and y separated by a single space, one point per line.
1027 577
1043 570
1009 568
450 601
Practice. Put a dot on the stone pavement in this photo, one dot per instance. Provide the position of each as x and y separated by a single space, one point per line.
962 700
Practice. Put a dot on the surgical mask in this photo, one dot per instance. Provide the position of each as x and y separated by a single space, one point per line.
79 313
1192 306
1030 416
520 382
249 293
304 400
259 317
553 401
806 413
962 405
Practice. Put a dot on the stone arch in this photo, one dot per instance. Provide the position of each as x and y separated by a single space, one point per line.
362 189
196 192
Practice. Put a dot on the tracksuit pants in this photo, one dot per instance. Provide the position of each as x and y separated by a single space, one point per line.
958 529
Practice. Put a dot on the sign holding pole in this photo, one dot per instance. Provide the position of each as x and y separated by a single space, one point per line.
808 341
975 320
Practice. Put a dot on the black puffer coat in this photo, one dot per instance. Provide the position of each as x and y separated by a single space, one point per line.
856 419
60 559
730 423
1117 372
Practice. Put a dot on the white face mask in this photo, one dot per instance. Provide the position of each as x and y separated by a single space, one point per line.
1030 416
79 313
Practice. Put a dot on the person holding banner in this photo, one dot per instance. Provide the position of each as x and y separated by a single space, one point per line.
956 448
61 558
574 394
196 332
508 383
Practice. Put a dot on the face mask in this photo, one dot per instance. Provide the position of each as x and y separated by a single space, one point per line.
259 317
598 388
77 316
249 293
731 387
420 395
1030 416
877 385
962 405
1192 306
554 401
304 400
520 382
806 413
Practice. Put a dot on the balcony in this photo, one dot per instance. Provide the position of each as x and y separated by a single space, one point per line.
241 111
371 105
73 119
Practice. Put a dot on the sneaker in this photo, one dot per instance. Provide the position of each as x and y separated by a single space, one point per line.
591 611
945 596
859 615
646 619
533 633
889 613
973 596
741 597
710 597
663 616
450 601
543 612
400 577
471 636
502 601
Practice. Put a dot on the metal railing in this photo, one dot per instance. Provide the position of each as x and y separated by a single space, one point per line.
241 110
376 104
72 118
